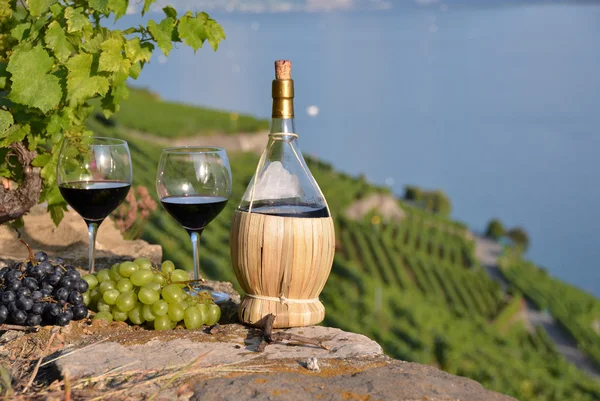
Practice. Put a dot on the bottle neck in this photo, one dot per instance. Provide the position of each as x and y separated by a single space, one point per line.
283 125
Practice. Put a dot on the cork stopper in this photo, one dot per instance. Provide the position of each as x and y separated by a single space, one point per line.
283 69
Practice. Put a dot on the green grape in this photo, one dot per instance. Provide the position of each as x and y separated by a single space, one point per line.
192 318
160 308
126 269
203 309
110 296
162 323
159 279
147 313
126 301
104 316
96 295
102 306
143 263
176 312
148 296
141 277
153 286
119 315
113 273
214 314
107 285
167 267
184 304
179 275
172 293
124 284
87 298
135 315
91 280
102 275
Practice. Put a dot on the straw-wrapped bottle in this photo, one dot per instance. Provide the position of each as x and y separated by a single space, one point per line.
282 236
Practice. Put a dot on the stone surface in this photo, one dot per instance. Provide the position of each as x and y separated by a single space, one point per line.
234 344
70 241
393 381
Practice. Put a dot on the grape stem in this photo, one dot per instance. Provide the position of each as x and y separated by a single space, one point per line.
5 327
31 257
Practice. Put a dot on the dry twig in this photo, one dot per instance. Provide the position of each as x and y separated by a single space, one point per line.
39 362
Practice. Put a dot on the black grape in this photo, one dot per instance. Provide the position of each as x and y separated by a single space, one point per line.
8 296
61 294
66 282
80 312
75 298
33 320
12 306
18 317
53 279
13 285
73 274
63 319
46 267
24 303
38 308
58 261
23 291
37 295
41 256
30 283
46 292
82 286
4 313
51 311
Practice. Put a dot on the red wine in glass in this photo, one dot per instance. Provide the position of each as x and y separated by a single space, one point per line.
194 212
94 200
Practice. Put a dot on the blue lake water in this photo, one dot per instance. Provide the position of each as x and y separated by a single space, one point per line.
498 106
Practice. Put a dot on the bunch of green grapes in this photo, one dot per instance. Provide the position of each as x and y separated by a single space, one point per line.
138 293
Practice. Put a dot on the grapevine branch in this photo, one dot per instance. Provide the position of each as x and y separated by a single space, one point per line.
15 203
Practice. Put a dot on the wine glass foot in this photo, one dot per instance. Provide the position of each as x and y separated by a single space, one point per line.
217 296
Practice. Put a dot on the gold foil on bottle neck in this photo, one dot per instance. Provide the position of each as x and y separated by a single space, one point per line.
283 98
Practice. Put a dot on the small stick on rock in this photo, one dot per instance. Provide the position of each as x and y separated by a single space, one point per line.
269 337
5 327
39 362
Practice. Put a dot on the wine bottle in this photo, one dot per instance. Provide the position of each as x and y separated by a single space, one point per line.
282 237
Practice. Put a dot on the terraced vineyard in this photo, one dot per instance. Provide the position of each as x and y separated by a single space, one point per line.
414 286
577 311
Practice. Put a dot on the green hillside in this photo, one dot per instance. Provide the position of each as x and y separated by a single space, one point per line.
414 286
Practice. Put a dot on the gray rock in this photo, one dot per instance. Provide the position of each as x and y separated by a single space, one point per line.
395 381
235 344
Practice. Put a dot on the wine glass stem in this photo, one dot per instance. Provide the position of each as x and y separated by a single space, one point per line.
92 231
195 236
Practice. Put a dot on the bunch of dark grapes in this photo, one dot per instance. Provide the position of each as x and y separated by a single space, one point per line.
41 291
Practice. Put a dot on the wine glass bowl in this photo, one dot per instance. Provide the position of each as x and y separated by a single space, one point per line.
194 185
94 175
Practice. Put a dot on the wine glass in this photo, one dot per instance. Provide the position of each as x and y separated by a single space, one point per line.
194 185
94 176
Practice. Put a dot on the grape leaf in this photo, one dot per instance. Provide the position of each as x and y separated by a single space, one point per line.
111 58
56 40
147 4
192 30
81 84
136 52
53 196
41 160
99 5
37 7
119 7
76 20
31 83
57 212
21 31
6 120
57 122
93 45
15 133
162 33
170 12
215 34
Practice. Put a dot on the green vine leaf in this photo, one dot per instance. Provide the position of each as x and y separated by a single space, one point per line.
32 85
170 12
56 40
16 133
57 212
111 58
162 34
147 4
37 7
81 83
6 120
119 7
21 31
41 160
135 51
76 20
99 5
192 30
